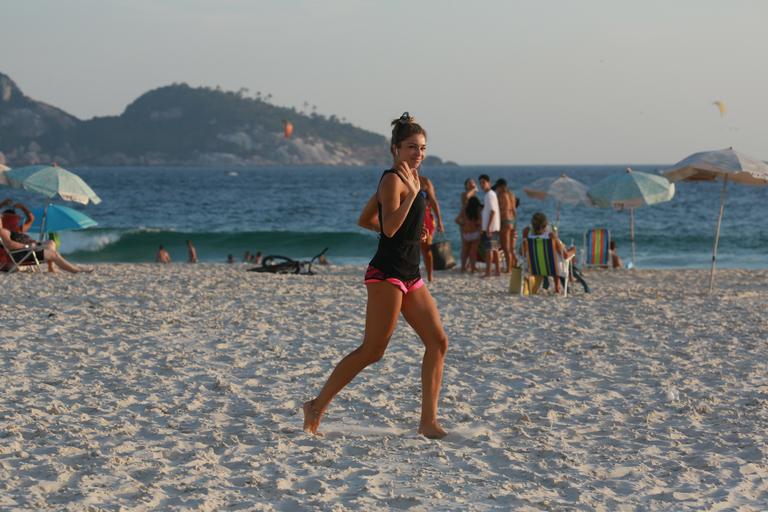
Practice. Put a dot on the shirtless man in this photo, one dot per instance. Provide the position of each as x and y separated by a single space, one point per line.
162 255
192 252
508 212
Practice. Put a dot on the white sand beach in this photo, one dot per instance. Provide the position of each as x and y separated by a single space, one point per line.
145 387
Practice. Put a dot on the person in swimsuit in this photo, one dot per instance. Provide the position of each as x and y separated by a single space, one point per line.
393 282
431 214
470 190
162 255
508 213
470 233
192 252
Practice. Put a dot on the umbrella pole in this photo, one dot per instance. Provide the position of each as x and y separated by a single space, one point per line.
717 234
632 233
558 214
42 222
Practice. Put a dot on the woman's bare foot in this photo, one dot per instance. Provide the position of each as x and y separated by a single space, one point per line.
311 418
432 431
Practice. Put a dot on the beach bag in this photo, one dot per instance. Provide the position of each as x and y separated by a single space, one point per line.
442 256
516 280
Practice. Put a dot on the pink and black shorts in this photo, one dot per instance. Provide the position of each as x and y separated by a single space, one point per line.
374 275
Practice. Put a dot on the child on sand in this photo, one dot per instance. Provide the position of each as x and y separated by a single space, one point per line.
615 260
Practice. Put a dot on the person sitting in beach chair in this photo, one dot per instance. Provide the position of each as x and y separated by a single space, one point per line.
547 256
597 248
20 230
15 260
14 254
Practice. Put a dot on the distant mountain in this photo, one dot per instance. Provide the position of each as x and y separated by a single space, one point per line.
181 125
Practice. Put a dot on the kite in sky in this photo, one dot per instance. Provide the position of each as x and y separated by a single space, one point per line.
721 106
287 129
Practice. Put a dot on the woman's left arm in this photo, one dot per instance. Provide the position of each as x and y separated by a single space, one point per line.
369 217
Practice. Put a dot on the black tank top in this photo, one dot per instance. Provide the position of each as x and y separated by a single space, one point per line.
398 256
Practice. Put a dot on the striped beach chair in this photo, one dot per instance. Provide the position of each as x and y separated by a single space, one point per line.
543 262
597 243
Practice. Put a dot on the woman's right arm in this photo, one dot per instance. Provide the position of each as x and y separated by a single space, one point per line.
393 210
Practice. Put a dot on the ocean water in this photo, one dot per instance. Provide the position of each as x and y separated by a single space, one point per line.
298 211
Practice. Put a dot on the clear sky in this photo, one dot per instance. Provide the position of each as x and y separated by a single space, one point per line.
493 82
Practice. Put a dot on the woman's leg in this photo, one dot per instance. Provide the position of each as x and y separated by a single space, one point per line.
464 254
50 244
512 245
420 311
51 255
384 302
473 246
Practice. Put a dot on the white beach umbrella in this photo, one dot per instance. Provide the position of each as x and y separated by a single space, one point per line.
562 189
727 165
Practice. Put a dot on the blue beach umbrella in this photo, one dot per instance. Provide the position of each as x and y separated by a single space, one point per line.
631 190
60 218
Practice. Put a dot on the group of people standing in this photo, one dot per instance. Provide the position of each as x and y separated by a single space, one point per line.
490 225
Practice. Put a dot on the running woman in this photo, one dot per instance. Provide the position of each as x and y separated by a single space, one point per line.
393 282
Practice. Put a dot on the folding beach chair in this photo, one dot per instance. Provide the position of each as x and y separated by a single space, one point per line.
543 260
596 249
9 264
